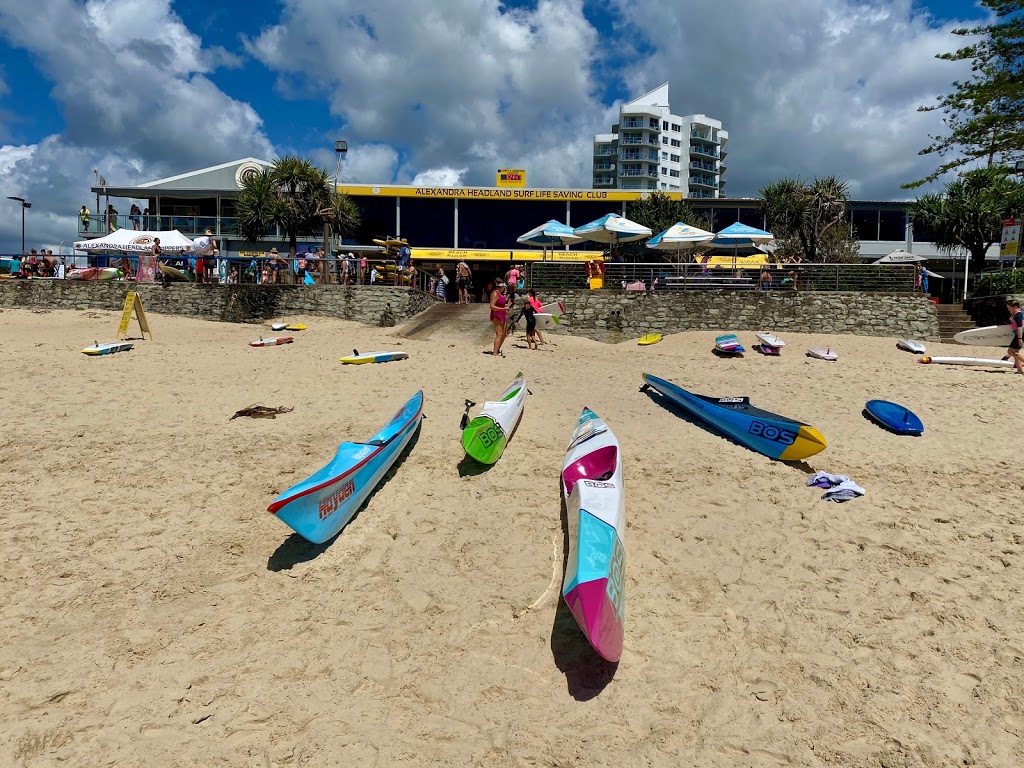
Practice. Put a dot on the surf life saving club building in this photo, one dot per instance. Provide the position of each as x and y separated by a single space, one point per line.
444 225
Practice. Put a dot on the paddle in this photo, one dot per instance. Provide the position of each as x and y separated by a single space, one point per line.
465 416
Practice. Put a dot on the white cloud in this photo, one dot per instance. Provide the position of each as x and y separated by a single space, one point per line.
465 83
137 104
440 177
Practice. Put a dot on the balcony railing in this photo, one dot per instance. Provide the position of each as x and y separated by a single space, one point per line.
697 149
702 135
665 276
704 181
701 194
634 172
697 165
638 154
638 140
190 226
604 182
604 166
604 152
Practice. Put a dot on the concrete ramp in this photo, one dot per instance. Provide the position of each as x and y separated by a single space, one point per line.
456 321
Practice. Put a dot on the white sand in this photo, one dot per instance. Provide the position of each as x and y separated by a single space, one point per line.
153 613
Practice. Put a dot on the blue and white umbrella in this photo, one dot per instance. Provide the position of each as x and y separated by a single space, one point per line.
736 235
679 237
551 233
612 229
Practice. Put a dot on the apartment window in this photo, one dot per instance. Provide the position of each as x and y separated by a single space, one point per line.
674 174
664 171
865 224
664 185
653 123
664 139
664 155
676 127
675 143
674 158
664 125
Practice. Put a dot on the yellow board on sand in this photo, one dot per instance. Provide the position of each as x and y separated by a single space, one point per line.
649 338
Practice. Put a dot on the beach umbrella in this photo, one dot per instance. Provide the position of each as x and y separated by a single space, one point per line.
612 229
900 256
736 235
679 237
552 232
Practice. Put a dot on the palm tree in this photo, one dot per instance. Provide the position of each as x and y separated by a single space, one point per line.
295 196
809 218
968 214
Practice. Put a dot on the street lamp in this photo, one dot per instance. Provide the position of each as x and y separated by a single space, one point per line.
341 147
24 205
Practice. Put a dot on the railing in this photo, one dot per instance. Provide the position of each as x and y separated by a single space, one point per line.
701 194
705 181
604 182
632 155
638 172
604 166
697 149
662 276
99 224
703 135
604 152
698 165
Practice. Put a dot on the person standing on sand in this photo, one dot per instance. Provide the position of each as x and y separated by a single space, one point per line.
1017 322
462 275
533 301
499 316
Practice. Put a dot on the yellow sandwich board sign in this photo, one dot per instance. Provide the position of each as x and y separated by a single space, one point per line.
511 177
133 302
1010 240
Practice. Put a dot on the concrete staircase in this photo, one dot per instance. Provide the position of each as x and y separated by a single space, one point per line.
952 320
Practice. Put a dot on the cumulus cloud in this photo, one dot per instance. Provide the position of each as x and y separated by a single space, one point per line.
465 83
804 87
136 104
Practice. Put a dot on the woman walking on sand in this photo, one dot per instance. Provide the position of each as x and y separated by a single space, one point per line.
1017 322
499 316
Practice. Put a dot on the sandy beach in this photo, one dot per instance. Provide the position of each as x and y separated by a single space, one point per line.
155 614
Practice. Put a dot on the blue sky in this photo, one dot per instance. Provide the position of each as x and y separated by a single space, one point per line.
446 91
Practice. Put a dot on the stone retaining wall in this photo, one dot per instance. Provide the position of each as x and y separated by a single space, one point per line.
610 315
229 303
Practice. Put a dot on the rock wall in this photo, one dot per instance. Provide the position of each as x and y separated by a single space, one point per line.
609 315
229 303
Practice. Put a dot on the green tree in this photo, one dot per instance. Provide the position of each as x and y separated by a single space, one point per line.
968 214
659 212
984 115
296 196
809 220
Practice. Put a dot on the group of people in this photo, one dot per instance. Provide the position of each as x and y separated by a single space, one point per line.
41 263
502 306
136 216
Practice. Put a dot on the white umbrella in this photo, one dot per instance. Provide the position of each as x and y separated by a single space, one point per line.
900 256
612 229
133 241
552 232
679 237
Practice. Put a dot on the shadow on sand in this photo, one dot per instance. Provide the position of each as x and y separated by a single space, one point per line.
586 673
295 549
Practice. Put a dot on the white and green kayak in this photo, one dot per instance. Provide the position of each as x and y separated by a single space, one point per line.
485 437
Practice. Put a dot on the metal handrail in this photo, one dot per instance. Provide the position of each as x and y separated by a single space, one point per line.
100 224
662 276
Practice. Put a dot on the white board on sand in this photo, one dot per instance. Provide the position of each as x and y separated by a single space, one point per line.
981 362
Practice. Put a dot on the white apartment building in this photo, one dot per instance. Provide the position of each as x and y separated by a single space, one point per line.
650 148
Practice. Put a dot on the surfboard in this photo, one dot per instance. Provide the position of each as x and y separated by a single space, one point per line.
729 344
272 342
989 336
544 321
486 436
372 357
894 417
981 362
823 354
287 327
649 338
555 308
910 346
108 349
172 272
770 340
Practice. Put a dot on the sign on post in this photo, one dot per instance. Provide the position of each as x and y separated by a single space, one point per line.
1009 242
133 302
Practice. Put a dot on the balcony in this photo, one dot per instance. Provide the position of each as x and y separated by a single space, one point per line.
698 149
637 123
707 136
190 226
701 194
697 165
604 181
703 181
635 172
638 154
633 141
604 167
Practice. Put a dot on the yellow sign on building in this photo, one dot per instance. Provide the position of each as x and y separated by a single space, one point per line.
512 177
491 193
497 254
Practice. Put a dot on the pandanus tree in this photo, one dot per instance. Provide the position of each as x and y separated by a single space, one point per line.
809 220
295 196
